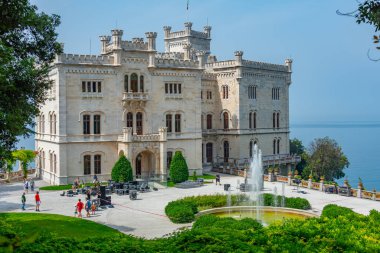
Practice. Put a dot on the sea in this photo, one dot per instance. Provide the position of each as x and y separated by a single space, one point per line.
360 142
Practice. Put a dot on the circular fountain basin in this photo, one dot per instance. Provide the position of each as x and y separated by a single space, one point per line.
268 214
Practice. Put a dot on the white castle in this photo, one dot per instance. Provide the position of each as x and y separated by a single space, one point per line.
132 100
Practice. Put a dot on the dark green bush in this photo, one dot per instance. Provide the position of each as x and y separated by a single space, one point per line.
179 172
297 203
333 211
122 170
181 211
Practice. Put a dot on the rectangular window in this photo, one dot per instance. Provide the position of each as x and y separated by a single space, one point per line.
87 165
88 86
99 87
179 88
166 88
98 164
169 156
169 122
86 124
171 88
178 123
93 86
175 88
96 124
209 121
83 86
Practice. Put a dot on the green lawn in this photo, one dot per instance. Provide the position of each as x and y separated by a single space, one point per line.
63 187
62 226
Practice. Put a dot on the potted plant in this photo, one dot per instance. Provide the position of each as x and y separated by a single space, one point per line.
360 184
322 178
275 170
270 170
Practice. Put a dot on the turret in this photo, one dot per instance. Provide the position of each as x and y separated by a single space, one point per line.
239 57
167 30
201 59
207 30
116 38
288 63
188 26
104 40
187 49
151 36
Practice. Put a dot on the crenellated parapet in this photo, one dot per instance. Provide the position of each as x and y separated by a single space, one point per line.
171 55
175 63
85 59
265 66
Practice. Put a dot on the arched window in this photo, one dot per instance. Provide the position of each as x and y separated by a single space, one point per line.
226 147
278 120
169 122
54 124
126 84
87 165
202 124
55 163
139 123
225 120
134 84
43 124
250 149
177 123
98 164
130 120
274 146
278 146
141 83
86 124
254 120
250 120
225 91
209 121
274 120
209 154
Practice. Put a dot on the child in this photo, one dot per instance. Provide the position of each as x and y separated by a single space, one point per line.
93 207
88 207
75 211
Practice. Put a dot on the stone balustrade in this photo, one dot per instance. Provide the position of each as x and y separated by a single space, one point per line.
136 96
84 59
264 66
146 137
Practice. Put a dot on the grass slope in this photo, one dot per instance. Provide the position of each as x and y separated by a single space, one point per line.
62 226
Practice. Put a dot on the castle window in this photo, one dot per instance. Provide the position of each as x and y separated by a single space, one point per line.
92 86
130 120
278 146
83 86
274 120
179 89
225 120
250 149
251 92
134 84
86 124
250 120
209 154
87 165
126 84
177 123
209 121
275 93
55 163
98 164
278 120
141 83
139 123
202 124
88 86
96 124
166 88
169 122
226 147
54 123
169 156
201 94
51 161
43 124
225 91
173 88
254 120
274 146
209 95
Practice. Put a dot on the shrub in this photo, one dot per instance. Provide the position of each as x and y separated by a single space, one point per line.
122 170
181 211
333 211
297 203
179 171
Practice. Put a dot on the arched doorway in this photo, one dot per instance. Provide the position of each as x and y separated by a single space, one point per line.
145 165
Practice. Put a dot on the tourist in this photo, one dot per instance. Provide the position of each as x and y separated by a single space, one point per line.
26 185
217 179
95 179
38 201
23 200
75 211
93 208
79 208
32 185
88 194
88 207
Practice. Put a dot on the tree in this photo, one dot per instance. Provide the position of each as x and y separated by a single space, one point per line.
297 148
326 158
122 170
368 12
27 48
179 171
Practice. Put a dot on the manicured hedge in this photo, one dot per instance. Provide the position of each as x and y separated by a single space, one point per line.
122 170
179 172
334 211
178 209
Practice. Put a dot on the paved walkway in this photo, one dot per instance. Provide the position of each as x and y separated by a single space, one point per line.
145 217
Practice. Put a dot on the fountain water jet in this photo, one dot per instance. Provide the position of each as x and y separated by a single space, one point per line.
255 181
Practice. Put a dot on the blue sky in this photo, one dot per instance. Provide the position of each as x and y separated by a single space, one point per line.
333 80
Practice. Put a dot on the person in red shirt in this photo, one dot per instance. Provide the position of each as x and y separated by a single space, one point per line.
80 206
38 201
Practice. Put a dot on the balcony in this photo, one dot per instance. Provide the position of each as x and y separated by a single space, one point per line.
135 98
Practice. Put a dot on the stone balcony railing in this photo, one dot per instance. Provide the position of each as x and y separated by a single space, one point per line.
135 96
146 137
128 136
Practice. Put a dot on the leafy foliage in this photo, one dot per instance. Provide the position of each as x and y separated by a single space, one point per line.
333 211
179 172
27 47
122 170
178 209
326 158
297 148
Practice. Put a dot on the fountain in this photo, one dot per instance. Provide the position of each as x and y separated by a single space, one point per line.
255 181
253 186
